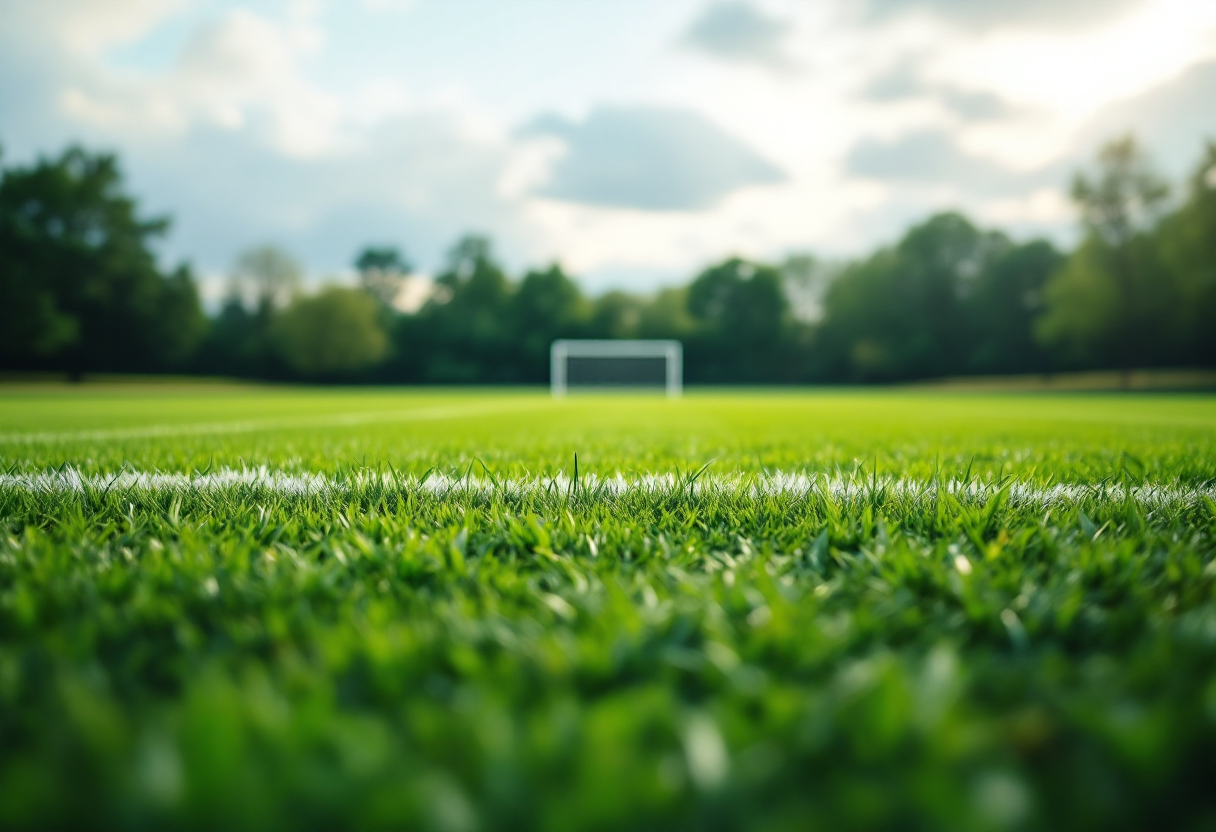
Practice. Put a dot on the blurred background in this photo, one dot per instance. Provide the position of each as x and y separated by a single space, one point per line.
415 191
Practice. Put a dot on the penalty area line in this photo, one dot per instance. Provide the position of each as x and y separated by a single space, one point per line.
352 419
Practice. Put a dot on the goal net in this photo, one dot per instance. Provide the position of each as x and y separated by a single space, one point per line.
616 364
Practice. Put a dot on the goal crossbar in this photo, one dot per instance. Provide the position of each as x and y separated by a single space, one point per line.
672 352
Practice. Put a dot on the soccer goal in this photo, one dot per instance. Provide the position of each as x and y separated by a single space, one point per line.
616 364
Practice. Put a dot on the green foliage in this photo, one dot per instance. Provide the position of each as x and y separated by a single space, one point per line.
385 655
1002 306
1125 197
743 319
333 332
79 285
616 314
263 280
79 290
1188 245
463 325
1115 303
382 272
948 299
666 315
806 279
266 276
1084 307
384 258
546 306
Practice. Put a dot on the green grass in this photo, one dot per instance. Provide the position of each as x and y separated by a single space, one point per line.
973 611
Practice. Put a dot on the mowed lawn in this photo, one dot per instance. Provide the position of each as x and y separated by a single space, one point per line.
239 607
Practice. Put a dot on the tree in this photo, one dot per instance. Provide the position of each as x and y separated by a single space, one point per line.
473 276
1112 301
1083 309
266 275
742 315
547 305
463 332
332 333
855 339
263 281
80 289
1187 241
615 314
806 279
1126 197
1006 298
382 272
902 312
238 343
665 315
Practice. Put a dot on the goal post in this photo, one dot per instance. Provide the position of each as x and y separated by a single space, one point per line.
616 364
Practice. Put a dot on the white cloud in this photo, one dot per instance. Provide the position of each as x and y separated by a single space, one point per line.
1078 73
931 156
530 166
1043 207
990 14
650 158
739 32
322 126
240 72
388 5
83 28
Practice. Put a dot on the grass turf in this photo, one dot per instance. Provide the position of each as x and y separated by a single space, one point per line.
926 633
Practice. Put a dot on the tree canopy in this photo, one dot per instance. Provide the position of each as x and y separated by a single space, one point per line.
80 287
382 272
333 332
81 290
1114 296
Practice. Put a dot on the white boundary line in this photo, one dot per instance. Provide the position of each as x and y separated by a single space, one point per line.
302 484
254 425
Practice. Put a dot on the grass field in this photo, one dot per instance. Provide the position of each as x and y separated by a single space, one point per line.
231 608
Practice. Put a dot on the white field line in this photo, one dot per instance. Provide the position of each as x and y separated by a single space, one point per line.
423 414
797 485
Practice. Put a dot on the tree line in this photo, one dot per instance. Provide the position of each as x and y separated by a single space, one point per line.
81 291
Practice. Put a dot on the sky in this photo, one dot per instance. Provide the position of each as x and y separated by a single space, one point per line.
633 141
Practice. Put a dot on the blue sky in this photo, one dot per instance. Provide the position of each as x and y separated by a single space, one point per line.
633 141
